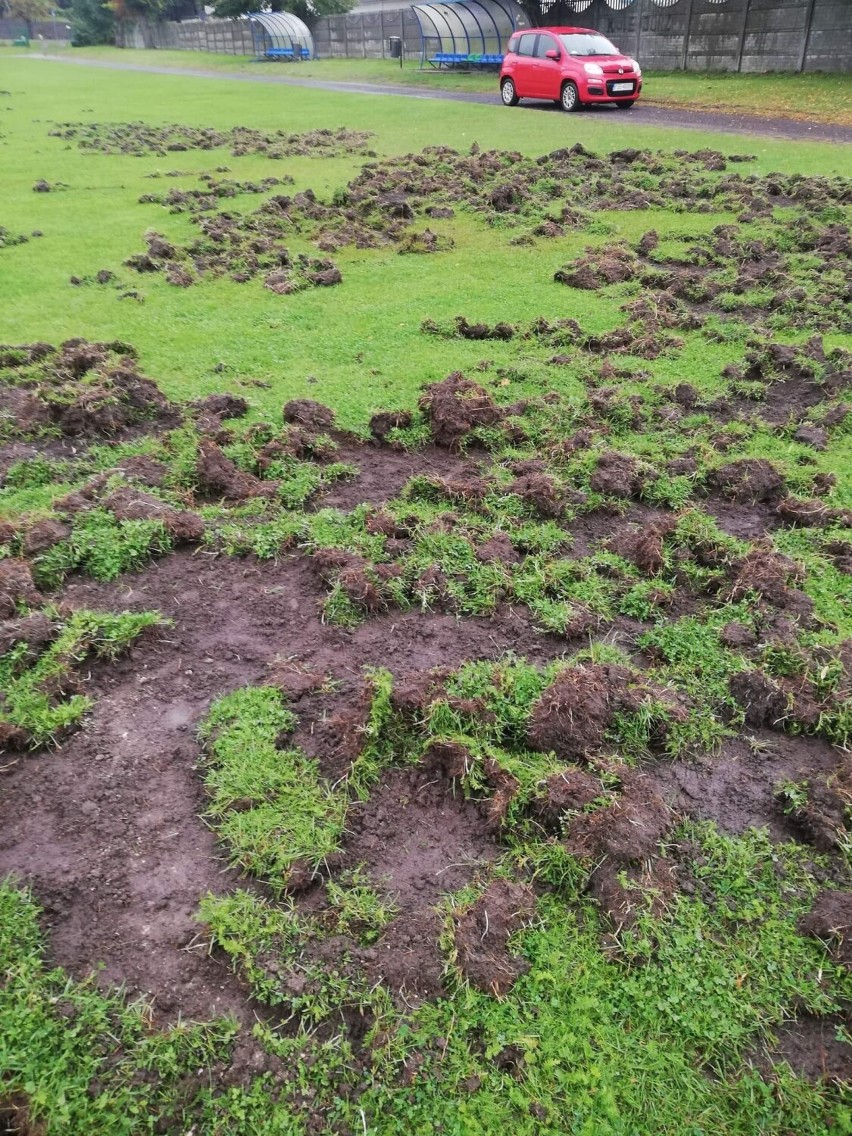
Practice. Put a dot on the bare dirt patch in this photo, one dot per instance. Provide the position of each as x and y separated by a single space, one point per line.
107 828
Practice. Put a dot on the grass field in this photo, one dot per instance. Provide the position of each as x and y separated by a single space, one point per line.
806 97
459 755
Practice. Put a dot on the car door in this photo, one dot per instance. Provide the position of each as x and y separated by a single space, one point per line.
525 66
548 72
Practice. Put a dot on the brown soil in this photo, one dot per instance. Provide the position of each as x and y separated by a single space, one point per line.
383 471
811 1048
482 934
736 787
573 714
16 586
456 406
218 477
750 480
418 843
569 791
107 830
830 920
15 1119
626 831
623 891
618 475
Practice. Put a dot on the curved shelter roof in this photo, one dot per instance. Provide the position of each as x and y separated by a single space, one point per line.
468 27
279 32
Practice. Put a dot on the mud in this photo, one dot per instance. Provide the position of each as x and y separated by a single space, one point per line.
107 830
79 389
572 715
482 934
418 842
454 407
811 1047
736 787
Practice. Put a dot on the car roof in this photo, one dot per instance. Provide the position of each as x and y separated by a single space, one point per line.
564 31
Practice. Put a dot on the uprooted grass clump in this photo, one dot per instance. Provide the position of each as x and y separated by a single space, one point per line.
40 656
140 138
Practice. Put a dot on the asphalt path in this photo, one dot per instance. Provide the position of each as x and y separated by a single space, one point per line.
642 114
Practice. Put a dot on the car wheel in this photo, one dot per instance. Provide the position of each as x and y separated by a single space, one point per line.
570 98
508 93
626 105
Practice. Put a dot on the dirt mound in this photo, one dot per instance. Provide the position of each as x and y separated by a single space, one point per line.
763 702
141 138
16 587
627 830
306 412
134 505
622 891
573 714
749 480
41 535
482 935
566 792
217 476
618 475
771 576
219 406
366 585
644 547
384 421
455 406
737 636
80 389
811 514
498 550
597 267
822 819
36 630
541 492
830 919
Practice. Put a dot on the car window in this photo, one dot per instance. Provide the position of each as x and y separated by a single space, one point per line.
546 43
513 43
576 43
527 45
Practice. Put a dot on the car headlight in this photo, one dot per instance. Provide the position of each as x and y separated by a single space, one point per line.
636 68
592 69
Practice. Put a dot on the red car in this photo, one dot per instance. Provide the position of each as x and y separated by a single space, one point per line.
571 66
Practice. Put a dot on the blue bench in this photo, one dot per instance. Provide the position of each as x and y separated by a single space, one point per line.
464 59
286 53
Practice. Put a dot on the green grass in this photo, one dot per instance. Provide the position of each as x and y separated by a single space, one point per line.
653 1027
813 97
269 804
355 347
42 697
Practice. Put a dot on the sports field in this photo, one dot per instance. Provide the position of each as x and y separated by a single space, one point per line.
425 545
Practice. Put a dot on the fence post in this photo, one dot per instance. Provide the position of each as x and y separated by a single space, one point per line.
806 39
686 35
382 27
743 35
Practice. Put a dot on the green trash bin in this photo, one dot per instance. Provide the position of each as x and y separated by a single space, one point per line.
21 41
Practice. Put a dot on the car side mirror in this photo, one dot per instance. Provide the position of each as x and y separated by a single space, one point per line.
552 54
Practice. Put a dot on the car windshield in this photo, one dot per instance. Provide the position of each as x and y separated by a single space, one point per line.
577 44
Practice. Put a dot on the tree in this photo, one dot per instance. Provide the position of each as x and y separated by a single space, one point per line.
27 10
92 21
307 10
